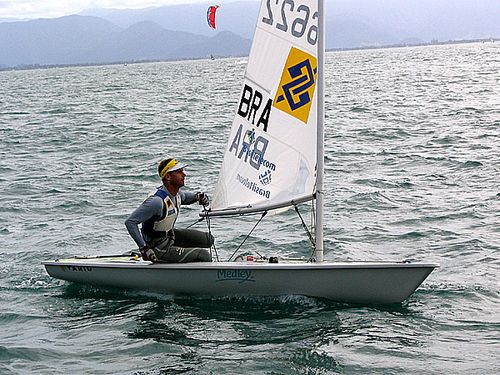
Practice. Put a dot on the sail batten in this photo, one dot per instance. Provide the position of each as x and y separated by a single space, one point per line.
270 157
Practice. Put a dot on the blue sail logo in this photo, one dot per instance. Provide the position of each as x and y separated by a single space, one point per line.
297 85
265 178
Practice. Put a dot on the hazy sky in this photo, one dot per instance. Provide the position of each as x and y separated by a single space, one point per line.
57 8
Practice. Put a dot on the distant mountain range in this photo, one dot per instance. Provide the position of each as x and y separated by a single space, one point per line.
88 40
180 31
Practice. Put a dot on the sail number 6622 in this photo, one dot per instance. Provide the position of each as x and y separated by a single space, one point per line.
298 16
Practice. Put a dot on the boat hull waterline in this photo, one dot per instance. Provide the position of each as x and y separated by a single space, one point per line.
352 282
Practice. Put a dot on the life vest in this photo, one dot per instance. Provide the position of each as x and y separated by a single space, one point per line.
158 226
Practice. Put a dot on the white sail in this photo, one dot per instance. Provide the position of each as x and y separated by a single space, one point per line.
270 158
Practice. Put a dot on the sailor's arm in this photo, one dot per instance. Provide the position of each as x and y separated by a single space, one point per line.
150 207
190 198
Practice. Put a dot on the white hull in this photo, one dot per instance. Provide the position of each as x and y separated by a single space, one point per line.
356 282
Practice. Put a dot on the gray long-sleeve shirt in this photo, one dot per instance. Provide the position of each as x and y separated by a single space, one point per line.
152 206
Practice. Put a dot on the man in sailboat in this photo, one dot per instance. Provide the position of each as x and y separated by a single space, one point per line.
157 239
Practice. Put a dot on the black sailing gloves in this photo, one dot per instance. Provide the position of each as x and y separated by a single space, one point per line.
202 199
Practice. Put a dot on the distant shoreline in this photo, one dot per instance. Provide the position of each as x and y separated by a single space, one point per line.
401 45
432 43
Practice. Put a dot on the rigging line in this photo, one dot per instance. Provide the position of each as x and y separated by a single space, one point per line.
305 227
248 235
210 234
196 222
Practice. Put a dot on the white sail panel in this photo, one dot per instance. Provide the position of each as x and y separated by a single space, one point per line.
270 157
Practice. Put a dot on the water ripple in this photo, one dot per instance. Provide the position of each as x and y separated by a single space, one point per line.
412 172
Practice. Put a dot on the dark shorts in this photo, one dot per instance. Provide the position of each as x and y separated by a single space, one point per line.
182 246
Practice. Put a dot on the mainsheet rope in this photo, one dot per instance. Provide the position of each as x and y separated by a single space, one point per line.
248 235
209 232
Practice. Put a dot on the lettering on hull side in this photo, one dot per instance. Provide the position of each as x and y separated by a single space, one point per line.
241 276
79 268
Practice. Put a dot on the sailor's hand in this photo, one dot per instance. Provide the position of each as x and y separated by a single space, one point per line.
202 198
148 253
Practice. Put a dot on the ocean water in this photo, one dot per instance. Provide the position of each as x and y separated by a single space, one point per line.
412 172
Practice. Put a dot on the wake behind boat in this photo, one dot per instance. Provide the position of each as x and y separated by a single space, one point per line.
273 160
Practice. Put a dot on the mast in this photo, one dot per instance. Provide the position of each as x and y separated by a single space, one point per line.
320 132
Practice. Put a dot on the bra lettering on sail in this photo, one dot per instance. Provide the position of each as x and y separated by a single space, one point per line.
297 85
250 105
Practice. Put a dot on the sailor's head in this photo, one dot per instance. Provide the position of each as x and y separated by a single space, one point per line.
169 166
